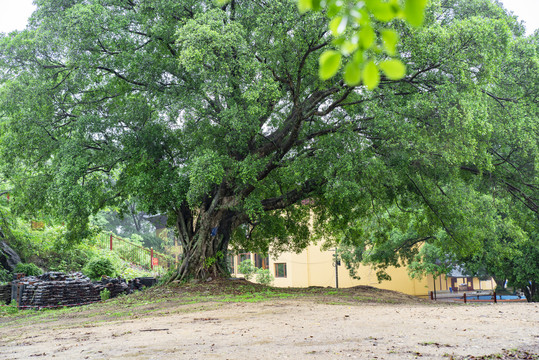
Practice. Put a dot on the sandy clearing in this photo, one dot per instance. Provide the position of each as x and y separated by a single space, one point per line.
286 329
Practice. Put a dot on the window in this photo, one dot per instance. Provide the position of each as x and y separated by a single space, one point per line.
231 264
243 257
261 262
280 270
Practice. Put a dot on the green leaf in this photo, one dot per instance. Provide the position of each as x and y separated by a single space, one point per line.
382 11
394 69
348 47
390 38
338 41
333 8
414 11
366 37
330 62
337 25
371 75
352 73
305 5
221 2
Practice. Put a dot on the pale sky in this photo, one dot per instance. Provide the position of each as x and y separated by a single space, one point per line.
14 13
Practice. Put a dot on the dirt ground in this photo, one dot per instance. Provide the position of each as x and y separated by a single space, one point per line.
282 329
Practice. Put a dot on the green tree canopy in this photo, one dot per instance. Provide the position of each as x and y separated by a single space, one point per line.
481 213
217 117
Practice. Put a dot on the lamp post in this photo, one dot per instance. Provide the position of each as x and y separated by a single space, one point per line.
337 262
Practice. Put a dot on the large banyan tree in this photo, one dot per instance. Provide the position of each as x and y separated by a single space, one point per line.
216 116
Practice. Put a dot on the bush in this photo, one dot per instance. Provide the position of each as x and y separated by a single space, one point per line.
28 269
50 248
5 276
247 268
104 294
98 267
264 277
70 258
129 272
136 239
36 245
11 309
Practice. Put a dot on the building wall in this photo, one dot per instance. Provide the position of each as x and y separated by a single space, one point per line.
314 267
488 284
441 283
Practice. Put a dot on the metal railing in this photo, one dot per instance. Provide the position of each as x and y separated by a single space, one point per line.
476 297
136 254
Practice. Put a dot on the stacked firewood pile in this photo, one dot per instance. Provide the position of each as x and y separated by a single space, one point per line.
116 286
55 289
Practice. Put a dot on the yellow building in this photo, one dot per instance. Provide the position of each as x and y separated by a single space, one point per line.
314 267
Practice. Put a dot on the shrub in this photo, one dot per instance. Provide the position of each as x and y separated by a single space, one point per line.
50 248
247 268
264 277
98 267
129 272
5 276
11 309
166 277
136 239
28 269
70 258
105 294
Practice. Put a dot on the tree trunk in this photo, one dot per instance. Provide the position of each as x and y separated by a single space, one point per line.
205 242
499 283
204 259
530 291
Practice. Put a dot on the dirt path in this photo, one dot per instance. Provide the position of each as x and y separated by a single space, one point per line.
281 329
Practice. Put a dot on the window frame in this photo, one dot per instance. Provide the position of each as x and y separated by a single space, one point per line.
239 256
232 263
261 261
276 269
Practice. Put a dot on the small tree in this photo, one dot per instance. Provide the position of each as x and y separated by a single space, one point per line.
247 268
98 267
28 269
431 260
4 275
264 277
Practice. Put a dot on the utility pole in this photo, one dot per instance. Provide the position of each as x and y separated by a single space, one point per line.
337 263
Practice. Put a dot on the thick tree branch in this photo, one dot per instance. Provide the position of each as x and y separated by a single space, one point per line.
427 202
517 193
312 48
292 196
120 76
499 99
411 242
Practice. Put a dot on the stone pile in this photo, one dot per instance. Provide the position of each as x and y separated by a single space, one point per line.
56 289
141 283
116 286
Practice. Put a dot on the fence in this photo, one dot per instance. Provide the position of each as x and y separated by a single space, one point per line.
477 297
136 254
